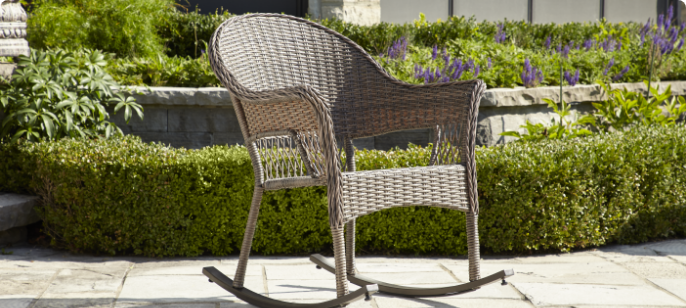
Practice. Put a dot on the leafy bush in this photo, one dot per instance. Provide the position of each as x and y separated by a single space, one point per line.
57 93
186 34
125 27
621 110
123 196
164 71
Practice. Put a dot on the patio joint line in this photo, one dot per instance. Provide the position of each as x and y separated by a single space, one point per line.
524 298
121 285
646 280
449 272
35 300
373 302
264 280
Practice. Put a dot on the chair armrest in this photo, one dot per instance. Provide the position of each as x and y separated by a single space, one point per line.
307 110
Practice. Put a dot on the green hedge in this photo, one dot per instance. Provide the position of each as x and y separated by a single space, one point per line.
124 196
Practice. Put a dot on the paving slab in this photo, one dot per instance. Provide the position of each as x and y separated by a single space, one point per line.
602 272
70 300
397 267
493 291
297 290
179 305
189 268
15 301
179 288
24 281
441 278
576 257
448 302
297 272
548 294
674 286
658 270
675 247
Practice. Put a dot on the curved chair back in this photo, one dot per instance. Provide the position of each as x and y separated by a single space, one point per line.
271 51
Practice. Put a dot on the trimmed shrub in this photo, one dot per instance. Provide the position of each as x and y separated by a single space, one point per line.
124 27
123 196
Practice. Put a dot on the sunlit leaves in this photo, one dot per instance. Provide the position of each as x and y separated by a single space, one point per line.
54 94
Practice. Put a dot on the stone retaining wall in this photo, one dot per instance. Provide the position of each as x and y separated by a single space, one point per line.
198 117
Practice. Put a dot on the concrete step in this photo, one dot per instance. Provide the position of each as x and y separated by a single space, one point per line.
16 212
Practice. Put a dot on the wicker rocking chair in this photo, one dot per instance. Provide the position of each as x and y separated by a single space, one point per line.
298 87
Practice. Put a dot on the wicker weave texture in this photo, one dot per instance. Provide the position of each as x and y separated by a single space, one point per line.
365 192
265 53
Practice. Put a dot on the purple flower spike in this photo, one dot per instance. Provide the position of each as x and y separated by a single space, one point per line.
434 54
418 71
621 74
681 44
398 49
559 47
572 80
646 27
458 69
673 35
588 44
470 65
683 25
500 36
565 52
476 71
670 15
490 64
547 42
531 76
660 21
609 66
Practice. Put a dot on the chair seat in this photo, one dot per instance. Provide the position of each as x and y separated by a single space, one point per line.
365 192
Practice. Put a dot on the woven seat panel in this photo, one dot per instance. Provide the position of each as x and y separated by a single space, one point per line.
365 192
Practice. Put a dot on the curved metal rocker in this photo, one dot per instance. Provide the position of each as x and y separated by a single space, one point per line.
259 300
407 291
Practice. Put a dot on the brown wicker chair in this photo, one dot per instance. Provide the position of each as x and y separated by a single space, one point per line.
298 87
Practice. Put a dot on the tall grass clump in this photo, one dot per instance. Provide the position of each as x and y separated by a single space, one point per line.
125 27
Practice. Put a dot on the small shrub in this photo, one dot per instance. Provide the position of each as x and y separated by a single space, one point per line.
125 27
55 94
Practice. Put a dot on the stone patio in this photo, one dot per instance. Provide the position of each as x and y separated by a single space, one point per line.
648 275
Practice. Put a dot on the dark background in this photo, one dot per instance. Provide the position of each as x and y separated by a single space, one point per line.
290 7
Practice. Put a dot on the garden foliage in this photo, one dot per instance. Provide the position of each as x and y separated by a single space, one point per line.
620 111
120 195
125 27
58 93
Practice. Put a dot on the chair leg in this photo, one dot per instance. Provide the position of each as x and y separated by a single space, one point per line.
473 245
339 256
350 246
239 278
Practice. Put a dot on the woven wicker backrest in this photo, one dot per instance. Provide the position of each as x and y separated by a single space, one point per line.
270 51
267 52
